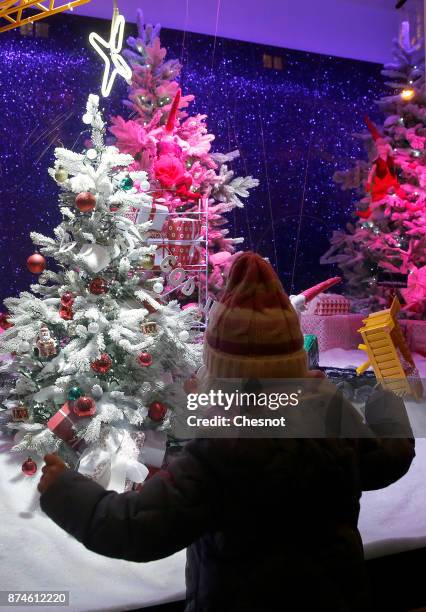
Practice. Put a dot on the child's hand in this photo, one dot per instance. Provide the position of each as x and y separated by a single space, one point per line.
315 374
51 471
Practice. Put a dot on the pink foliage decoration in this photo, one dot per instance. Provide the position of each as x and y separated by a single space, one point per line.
390 234
174 148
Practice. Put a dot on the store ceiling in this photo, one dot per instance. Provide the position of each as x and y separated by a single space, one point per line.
359 29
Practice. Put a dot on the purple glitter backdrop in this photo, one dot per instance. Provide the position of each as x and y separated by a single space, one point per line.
293 128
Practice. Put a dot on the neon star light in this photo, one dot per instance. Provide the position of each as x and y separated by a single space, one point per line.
16 13
110 50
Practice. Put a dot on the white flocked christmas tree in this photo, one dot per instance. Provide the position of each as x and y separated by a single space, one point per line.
98 354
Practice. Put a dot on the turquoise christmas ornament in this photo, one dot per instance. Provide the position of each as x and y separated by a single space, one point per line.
126 183
74 393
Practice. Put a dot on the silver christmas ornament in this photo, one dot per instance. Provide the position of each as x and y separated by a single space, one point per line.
93 327
97 392
24 347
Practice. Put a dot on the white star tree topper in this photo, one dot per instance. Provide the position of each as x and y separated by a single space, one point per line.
110 50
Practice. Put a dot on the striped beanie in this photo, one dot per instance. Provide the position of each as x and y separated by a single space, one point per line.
254 331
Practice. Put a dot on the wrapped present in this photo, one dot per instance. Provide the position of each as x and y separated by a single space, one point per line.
312 349
181 238
182 228
327 304
415 334
154 448
333 331
62 425
152 211
113 462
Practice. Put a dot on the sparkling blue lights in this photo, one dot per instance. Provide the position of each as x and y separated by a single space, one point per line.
293 128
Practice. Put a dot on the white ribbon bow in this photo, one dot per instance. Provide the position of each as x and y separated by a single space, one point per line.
114 461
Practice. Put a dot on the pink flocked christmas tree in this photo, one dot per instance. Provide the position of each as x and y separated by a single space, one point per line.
388 241
174 148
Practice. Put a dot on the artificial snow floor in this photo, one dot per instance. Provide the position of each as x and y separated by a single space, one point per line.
393 519
35 554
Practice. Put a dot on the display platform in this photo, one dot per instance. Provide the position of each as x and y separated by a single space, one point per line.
391 521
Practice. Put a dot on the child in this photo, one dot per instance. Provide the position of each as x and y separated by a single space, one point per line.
270 524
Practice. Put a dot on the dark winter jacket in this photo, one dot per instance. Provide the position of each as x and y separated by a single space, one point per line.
269 524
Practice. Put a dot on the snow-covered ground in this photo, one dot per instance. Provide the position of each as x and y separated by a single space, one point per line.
37 555
393 519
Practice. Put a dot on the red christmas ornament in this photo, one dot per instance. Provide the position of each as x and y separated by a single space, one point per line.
66 313
67 299
29 467
98 286
84 406
145 359
103 364
36 263
85 202
5 322
157 411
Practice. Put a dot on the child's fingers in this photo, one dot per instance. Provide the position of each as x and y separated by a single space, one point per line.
42 484
316 374
52 459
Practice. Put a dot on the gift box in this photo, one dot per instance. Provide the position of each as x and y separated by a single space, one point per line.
333 331
62 425
151 211
415 333
114 461
186 254
137 441
327 304
181 238
310 343
183 228
154 448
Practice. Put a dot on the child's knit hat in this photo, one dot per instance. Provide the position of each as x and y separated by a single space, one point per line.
254 331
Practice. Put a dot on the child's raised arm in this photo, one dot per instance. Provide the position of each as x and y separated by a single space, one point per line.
170 512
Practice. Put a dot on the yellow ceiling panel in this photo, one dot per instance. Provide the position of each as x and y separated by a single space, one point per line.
16 13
